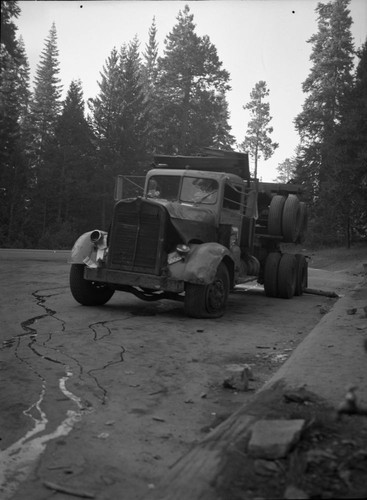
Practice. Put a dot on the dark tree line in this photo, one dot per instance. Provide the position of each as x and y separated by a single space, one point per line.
59 161
331 160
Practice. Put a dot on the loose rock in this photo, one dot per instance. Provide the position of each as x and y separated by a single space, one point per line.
237 377
274 438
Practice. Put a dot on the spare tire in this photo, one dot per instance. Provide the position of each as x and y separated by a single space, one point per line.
275 215
291 219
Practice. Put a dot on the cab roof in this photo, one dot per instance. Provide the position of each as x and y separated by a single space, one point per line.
194 173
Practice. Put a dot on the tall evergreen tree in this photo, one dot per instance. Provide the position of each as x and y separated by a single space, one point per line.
350 185
258 141
14 96
286 170
135 116
327 88
106 112
120 116
9 10
150 76
150 55
75 165
191 86
46 102
44 112
106 107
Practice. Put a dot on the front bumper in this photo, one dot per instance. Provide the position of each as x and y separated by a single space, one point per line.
124 278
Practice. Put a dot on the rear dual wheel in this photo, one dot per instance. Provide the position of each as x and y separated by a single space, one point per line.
271 274
285 275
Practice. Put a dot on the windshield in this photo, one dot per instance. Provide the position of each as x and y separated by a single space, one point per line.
199 190
193 189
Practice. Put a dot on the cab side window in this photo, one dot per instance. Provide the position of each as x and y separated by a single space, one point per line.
232 198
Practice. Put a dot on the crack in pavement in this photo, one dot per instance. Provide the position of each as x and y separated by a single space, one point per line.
16 461
96 338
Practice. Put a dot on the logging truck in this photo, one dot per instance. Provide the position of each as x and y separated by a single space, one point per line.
201 227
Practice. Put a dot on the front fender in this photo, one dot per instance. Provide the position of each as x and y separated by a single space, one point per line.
200 265
83 248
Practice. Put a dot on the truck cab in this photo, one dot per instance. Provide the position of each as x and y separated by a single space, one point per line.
193 235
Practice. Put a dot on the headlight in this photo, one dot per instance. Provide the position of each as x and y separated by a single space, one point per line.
181 248
96 235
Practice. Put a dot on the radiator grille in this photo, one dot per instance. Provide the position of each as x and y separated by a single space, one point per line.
135 242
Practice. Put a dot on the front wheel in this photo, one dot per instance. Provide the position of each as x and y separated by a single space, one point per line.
87 293
208 301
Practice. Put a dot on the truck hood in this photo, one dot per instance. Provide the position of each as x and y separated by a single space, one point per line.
191 223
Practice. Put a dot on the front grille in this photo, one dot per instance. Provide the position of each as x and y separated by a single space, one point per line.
137 237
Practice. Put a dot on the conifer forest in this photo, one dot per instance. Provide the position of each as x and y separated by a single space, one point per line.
60 158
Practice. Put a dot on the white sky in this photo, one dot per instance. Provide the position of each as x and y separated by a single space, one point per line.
255 40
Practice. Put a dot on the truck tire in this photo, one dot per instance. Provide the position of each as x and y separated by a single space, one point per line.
275 215
287 276
87 293
208 301
291 219
301 274
271 274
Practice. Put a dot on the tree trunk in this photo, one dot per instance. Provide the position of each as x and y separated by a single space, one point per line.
185 116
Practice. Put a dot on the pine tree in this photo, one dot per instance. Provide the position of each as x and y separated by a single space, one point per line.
257 141
75 166
107 120
24 82
9 10
327 88
45 109
150 76
286 170
107 106
135 116
350 186
150 69
46 102
14 97
120 116
191 90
